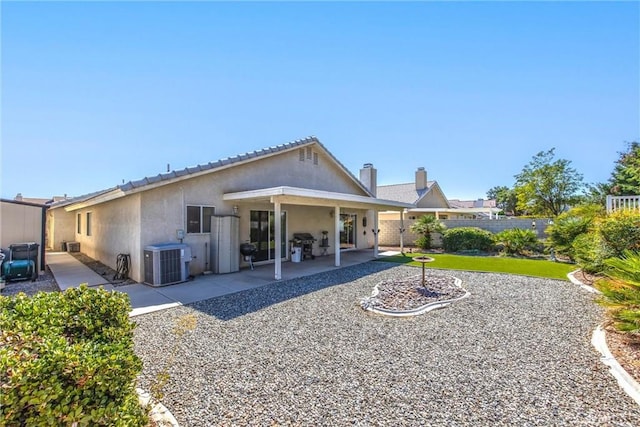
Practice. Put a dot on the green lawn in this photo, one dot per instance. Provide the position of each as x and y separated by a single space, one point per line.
525 267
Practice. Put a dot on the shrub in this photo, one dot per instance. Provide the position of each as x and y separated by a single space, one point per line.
516 241
620 231
467 238
68 358
590 252
621 292
569 225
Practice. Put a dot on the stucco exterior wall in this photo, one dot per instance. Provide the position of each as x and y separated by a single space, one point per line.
433 199
60 228
114 230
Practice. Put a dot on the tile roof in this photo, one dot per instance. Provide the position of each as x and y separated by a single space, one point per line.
217 164
169 176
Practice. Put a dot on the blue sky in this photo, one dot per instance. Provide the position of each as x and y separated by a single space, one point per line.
96 93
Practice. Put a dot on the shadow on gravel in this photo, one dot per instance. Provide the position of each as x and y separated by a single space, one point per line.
228 307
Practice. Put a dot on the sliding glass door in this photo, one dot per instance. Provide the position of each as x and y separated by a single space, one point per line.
347 231
262 234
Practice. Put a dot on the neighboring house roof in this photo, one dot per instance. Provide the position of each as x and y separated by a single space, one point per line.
189 172
406 193
25 202
480 203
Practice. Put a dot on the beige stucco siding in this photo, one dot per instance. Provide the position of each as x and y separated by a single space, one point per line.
433 199
60 228
114 230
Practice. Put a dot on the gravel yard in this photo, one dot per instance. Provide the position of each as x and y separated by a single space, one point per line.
303 352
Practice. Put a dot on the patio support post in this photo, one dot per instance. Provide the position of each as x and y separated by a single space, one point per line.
336 237
278 230
402 231
375 235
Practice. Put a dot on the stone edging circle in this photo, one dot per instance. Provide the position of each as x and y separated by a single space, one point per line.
416 311
158 412
598 340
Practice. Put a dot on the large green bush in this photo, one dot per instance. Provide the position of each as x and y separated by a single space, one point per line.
516 241
620 231
590 252
68 358
569 225
467 238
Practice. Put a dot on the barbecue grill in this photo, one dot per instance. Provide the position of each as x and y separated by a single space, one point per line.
305 241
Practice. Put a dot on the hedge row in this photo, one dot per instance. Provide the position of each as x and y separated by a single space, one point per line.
68 358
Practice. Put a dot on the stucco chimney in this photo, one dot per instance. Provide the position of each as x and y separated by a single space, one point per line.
421 179
18 197
369 177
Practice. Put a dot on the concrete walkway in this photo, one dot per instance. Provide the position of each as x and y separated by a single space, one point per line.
69 272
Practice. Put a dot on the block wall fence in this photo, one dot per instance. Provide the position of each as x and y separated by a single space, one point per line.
390 229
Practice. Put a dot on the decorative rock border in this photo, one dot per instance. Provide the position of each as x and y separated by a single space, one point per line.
625 381
365 303
572 279
158 413
599 341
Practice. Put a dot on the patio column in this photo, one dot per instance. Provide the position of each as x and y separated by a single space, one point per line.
336 237
278 230
375 234
402 231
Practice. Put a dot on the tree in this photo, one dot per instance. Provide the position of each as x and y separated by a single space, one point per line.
596 194
625 178
505 198
547 186
425 225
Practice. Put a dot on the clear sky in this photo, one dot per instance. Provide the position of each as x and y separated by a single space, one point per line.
96 93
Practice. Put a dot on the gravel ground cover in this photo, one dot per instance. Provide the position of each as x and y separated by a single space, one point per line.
303 352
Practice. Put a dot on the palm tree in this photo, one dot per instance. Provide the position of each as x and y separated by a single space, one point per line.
425 225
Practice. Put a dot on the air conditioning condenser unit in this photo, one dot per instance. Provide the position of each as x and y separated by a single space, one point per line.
166 263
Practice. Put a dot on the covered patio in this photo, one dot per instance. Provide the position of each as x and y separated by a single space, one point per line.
295 196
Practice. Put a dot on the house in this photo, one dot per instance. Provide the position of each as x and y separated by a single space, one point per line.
426 198
264 197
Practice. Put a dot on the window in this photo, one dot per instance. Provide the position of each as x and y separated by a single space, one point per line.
88 223
79 223
199 219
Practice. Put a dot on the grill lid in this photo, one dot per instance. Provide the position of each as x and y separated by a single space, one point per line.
304 237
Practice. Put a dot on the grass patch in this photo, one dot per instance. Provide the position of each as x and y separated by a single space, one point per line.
493 264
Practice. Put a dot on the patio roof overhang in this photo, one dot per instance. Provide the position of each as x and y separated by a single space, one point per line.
310 197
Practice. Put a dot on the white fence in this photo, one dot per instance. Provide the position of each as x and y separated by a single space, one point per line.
622 203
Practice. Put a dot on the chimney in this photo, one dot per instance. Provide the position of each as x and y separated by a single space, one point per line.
421 179
478 203
369 177
18 197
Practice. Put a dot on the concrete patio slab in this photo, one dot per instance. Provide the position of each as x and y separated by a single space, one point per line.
69 272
